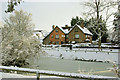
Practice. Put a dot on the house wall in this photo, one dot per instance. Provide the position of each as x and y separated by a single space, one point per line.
54 40
51 39
82 36
90 38
46 41
72 35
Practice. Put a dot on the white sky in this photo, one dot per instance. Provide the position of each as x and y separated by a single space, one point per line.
46 13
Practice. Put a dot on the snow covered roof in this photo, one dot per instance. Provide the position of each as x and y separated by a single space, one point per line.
87 40
66 31
84 30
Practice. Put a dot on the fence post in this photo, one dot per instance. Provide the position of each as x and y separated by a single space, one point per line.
38 75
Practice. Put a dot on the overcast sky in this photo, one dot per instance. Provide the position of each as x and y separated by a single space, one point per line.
46 13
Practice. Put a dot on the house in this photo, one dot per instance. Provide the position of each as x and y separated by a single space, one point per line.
79 34
68 34
56 37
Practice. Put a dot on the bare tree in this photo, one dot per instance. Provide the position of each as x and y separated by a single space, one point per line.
98 8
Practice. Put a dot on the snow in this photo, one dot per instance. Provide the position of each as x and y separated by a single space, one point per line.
85 30
65 74
87 40
66 31
41 34
84 53
13 75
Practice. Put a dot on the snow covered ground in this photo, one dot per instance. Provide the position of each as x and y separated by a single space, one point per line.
83 53
13 75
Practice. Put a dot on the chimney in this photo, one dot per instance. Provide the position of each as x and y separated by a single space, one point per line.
53 26
82 24
66 25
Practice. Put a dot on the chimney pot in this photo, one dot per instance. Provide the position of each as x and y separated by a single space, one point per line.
82 24
66 25
53 26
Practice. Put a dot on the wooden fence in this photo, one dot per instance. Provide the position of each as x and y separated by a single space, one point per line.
60 74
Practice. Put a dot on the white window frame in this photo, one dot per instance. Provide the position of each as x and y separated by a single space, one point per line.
77 36
63 35
56 36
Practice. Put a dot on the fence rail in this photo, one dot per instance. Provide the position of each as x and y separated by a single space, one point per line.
55 73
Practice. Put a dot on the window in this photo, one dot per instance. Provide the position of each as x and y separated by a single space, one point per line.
86 36
63 35
62 42
56 36
76 30
57 42
76 36
51 36
76 41
67 36
56 30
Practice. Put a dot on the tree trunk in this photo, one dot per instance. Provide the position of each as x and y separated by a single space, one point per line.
98 18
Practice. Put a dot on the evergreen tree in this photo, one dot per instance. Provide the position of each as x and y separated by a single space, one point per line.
91 24
79 21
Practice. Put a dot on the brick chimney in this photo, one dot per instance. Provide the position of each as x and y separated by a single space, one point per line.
53 26
82 24
66 25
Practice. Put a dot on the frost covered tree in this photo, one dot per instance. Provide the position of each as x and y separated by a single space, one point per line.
91 25
98 33
116 29
18 42
98 8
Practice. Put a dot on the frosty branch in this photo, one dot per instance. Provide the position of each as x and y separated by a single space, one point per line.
20 44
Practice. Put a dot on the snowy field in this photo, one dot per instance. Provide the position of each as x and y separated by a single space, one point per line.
83 53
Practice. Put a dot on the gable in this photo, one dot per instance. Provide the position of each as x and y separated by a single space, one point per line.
53 31
83 30
75 28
